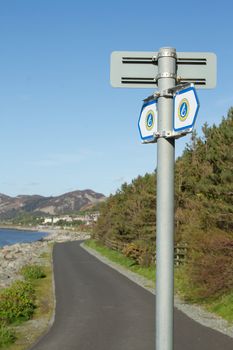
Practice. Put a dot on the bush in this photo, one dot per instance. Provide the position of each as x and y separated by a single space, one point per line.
131 251
7 336
141 252
32 272
210 265
17 302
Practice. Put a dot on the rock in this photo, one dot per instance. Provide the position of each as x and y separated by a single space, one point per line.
14 257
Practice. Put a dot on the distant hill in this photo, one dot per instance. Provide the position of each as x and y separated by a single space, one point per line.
67 203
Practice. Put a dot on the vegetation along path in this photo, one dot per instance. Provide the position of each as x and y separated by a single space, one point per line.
98 308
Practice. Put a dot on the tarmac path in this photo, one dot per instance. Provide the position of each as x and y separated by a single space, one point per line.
99 309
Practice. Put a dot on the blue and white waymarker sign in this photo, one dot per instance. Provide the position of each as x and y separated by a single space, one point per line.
148 120
186 106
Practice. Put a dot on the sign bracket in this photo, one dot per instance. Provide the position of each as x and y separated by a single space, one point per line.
171 92
167 135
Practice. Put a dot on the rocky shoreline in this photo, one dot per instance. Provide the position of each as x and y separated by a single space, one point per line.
14 257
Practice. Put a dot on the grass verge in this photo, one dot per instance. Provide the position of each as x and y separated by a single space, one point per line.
221 306
119 258
28 332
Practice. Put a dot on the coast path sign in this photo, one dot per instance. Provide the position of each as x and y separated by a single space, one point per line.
166 70
148 120
186 106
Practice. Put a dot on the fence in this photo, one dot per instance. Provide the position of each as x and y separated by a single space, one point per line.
180 250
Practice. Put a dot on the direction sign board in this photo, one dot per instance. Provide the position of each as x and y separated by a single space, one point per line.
148 120
140 69
186 106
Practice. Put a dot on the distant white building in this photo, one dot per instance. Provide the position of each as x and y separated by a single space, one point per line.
48 220
86 219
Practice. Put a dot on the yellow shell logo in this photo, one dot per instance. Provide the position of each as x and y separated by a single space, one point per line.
150 120
183 109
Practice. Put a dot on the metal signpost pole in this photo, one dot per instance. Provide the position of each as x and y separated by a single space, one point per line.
160 69
165 204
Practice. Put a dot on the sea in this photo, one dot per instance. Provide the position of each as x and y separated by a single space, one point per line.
12 236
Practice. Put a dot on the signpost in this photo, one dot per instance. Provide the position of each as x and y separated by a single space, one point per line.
166 70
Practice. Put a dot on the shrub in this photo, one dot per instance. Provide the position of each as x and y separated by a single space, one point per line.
17 302
141 252
210 264
131 251
32 272
7 336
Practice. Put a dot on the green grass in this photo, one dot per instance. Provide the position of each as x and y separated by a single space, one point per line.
7 336
119 258
223 307
17 302
32 272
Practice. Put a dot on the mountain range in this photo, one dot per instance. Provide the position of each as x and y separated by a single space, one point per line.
67 203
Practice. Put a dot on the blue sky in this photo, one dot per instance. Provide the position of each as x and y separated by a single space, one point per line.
63 127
